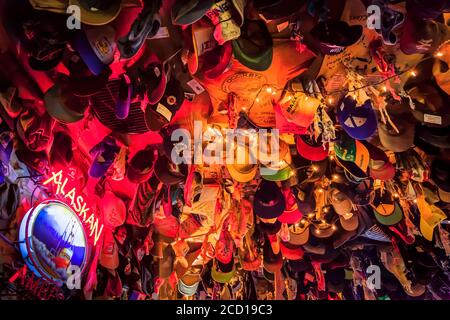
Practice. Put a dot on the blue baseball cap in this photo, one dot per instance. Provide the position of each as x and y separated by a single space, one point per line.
360 122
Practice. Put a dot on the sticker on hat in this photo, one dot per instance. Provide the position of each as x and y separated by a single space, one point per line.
96 47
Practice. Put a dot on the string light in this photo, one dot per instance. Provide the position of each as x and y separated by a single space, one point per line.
314 168
439 54
413 73
257 99
330 100
396 195
325 209
335 177
269 90
384 88
331 157
333 227
303 221
317 231
320 190
311 215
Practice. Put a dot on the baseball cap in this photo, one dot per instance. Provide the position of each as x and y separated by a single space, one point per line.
220 276
62 105
103 155
379 166
441 67
242 172
223 16
109 256
189 12
96 46
360 122
432 107
340 202
352 155
159 114
113 210
422 36
35 130
299 108
291 214
140 167
397 141
268 201
335 35
310 149
349 222
306 201
290 251
391 219
254 48
101 12
430 217
169 173
427 10
299 233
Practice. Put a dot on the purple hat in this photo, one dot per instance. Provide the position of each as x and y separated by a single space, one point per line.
103 155
268 202
360 122
96 47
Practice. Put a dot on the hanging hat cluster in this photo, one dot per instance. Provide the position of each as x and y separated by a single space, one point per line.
95 102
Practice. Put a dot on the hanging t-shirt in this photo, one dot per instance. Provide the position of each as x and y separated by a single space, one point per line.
247 84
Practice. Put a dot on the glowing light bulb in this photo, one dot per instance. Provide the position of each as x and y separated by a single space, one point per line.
269 90
415 200
439 54
289 98
317 231
331 157
291 174
413 73
311 215
333 227
325 209
303 221
320 190
396 195
330 100
314 168
257 99
384 88
244 109
335 177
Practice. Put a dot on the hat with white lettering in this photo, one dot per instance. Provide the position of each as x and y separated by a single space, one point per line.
422 36
431 105
360 122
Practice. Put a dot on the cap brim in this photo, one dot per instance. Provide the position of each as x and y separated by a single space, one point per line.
392 219
97 18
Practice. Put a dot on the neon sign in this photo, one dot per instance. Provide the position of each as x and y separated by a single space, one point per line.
77 202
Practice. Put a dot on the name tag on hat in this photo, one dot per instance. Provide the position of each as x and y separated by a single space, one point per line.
162 33
429 118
